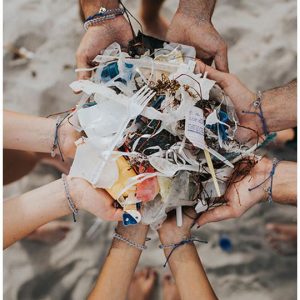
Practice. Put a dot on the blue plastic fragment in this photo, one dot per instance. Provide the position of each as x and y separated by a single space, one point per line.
128 219
223 117
225 243
110 71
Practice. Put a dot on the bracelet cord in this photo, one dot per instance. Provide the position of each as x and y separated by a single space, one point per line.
270 177
56 143
177 245
71 203
129 242
257 104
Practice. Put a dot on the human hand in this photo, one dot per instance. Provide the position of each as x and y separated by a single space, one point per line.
201 34
95 201
170 233
238 198
67 138
98 38
242 98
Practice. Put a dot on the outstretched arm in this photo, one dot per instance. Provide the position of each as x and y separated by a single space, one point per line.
23 214
239 199
279 105
116 274
100 36
184 262
192 25
36 134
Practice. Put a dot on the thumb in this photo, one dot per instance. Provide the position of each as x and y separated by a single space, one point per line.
221 60
215 214
117 215
221 78
82 63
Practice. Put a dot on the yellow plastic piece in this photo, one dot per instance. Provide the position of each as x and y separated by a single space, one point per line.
125 172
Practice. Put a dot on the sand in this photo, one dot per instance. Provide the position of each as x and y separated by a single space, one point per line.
262 51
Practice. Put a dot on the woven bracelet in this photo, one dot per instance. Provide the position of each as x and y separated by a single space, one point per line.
269 190
258 104
71 203
129 242
176 245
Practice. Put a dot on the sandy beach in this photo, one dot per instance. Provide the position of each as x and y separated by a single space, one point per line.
261 36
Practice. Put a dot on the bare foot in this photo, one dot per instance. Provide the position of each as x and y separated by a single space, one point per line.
51 233
170 291
142 284
283 238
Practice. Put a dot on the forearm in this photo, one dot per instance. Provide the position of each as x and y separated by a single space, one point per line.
197 8
36 134
285 183
189 274
28 133
151 9
90 7
280 107
120 264
25 213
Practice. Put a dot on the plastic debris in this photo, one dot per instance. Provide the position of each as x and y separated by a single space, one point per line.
177 149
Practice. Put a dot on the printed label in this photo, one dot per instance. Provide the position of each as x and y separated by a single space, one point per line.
194 127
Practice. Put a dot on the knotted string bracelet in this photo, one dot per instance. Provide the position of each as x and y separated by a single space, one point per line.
176 245
71 203
270 177
56 143
258 104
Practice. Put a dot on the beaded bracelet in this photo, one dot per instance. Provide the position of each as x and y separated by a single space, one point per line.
129 242
71 203
257 104
269 190
176 245
104 12
101 17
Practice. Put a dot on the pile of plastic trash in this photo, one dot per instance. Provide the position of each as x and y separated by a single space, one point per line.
157 136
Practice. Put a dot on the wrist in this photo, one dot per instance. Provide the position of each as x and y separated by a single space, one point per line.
262 171
136 234
67 138
91 7
77 187
200 10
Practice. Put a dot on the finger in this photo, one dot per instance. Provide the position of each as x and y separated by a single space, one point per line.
220 77
117 215
216 214
82 62
221 60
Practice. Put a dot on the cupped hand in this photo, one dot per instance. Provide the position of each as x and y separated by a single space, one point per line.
98 38
238 198
96 201
202 35
242 98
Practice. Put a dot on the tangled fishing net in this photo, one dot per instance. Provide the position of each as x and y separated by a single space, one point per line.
157 136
